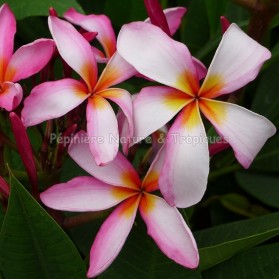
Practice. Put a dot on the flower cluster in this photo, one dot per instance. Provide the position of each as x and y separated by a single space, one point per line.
185 91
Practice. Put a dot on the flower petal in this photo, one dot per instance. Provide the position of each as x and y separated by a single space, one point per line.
10 96
184 175
95 23
102 128
7 33
124 131
169 230
55 97
112 236
151 180
154 107
123 99
116 71
155 55
119 172
4 188
83 194
99 55
74 49
201 69
237 61
174 17
158 140
156 15
29 59
244 130
225 24
124 128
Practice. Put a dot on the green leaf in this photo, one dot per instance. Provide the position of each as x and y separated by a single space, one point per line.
219 243
25 35
235 202
2 215
215 9
195 27
70 170
257 263
25 8
241 205
268 158
274 22
141 258
236 13
124 11
274 56
84 234
32 245
264 187
266 101
92 7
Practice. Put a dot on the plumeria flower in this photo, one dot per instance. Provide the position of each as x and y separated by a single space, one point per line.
59 97
118 184
25 62
106 35
237 61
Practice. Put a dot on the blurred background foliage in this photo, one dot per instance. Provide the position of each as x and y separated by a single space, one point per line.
236 225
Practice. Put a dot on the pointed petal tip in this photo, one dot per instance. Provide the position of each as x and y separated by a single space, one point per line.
174 18
112 236
182 203
246 162
265 55
245 131
237 61
225 24
194 263
29 59
70 92
99 23
52 12
169 230
74 49
92 273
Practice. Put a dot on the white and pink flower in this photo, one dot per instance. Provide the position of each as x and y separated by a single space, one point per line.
118 183
59 97
237 61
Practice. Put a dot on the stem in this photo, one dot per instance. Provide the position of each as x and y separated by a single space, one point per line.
262 12
261 17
